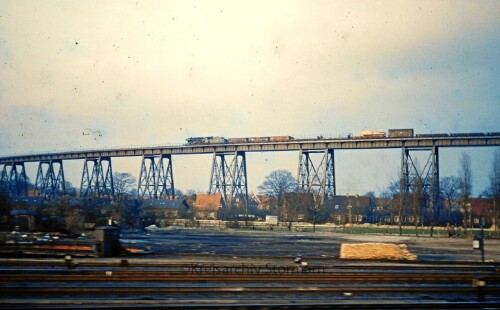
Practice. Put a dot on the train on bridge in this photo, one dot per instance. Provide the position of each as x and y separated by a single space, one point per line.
364 134
222 140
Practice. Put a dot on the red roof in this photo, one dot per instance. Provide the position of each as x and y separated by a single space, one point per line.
482 207
208 202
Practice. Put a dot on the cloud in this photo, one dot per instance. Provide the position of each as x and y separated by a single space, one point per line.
158 72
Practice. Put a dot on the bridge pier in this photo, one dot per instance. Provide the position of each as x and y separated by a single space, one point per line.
13 181
230 180
49 183
156 178
97 180
4 180
321 180
424 182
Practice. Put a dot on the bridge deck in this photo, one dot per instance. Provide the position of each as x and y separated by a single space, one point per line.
294 145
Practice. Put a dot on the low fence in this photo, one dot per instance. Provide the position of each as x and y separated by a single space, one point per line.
437 231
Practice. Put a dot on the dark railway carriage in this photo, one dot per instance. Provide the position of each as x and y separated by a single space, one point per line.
400 133
431 135
472 134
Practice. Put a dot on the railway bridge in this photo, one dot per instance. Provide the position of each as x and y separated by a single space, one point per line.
229 169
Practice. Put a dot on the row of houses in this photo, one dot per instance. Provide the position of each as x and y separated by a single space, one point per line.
338 209
304 207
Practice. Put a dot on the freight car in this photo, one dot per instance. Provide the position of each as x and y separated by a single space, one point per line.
261 139
431 135
371 134
281 138
462 134
400 133
222 140
237 140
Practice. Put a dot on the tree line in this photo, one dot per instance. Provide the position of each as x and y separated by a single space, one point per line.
452 205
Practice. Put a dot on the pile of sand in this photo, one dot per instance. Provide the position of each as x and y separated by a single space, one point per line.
375 251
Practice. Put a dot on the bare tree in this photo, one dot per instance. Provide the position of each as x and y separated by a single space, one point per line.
123 183
495 188
450 191
277 183
394 191
178 194
418 200
70 189
465 177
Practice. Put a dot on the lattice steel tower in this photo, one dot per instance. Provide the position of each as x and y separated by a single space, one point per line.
97 181
50 181
156 178
230 180
423 181
13 179
321 180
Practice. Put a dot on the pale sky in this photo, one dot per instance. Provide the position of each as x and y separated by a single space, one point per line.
157 72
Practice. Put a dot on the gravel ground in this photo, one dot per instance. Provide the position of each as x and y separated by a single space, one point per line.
323 245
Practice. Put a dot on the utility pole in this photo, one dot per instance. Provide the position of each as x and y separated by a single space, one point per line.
349 206
495 216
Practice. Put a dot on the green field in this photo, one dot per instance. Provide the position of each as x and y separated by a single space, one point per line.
364 229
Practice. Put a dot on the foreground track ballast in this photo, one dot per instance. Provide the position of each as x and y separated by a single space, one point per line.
123 284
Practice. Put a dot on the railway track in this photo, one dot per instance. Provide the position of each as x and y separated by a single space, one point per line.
215 276
124 284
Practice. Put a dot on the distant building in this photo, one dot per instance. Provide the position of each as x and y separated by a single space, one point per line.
296 206
383 212
156 210
263 205
23 220
264 202
482 209
208 206
351 209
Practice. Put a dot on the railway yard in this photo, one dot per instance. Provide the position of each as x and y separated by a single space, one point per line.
201 268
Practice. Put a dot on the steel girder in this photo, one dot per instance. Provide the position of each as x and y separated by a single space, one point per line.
13 179
49 183
156 178
321 180
424 181
230 180
487 140
97 181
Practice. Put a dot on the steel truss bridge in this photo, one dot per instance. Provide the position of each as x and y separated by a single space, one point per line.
229 169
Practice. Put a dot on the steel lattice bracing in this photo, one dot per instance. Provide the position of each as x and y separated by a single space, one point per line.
420 181
230 180
4 180
156 178
321 180
97 180
13 179
49 183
